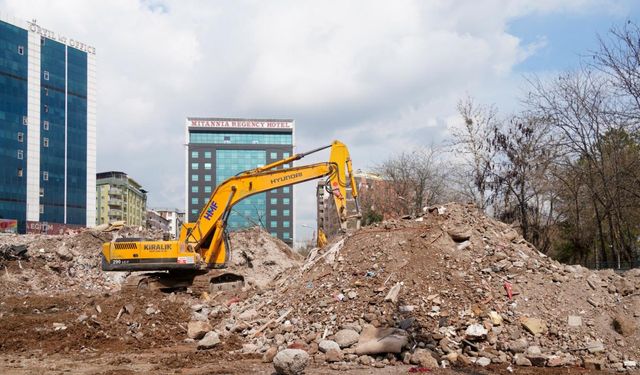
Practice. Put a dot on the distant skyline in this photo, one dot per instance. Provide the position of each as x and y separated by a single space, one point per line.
380 76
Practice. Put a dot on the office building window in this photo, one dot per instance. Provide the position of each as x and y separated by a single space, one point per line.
194 154
20 136
45 176
20 50
286 165
274 234
194 200
285 200
285 212
45 142
46 91
207 189
42 208
274 224
274 155
286 235
194 211
42 192
274 201
274 213
20 154
207 177
46 75
285 155
194 177
286 224
194 166
207 166
194 189
45 124
19 172
25 120
207 154
46 108
286 189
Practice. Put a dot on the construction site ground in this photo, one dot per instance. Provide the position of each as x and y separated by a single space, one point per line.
462 293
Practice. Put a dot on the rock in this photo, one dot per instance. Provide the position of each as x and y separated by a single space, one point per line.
352 295
593 364
463 245
595 346
423 358
248 315
459 234
630 364
533 350
475 332
556 361
393 293
269 354
365 360
196 329
209 340
150 311
381 340
291 361
326 345
574 321
64 253
496 319
519 345
483 361
334 355
521 360
346 337
534 325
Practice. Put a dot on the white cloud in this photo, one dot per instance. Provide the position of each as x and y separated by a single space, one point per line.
380 75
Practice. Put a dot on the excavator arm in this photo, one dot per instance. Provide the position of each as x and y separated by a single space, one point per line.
206 235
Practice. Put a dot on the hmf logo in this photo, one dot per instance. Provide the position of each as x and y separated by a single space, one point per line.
212 208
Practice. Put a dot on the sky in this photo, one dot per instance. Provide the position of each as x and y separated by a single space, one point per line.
381 76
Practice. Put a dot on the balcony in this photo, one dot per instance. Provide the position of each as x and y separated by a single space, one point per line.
115 202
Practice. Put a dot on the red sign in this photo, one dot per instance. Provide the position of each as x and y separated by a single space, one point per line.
50 228
8 226
251 124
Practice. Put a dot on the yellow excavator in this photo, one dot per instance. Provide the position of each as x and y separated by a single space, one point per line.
197 259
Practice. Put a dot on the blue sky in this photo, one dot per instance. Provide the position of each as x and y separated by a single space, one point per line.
567 35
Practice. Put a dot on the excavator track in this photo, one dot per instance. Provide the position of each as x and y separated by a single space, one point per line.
211 281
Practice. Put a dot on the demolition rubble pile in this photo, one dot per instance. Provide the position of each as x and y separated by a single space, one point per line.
46 264
452 287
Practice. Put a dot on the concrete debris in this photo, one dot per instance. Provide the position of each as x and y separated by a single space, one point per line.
346 337
291 362
381 340
209 340
424 358
393 293
197 329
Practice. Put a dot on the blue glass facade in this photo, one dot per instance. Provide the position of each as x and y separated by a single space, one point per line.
13 129
241 138
76 137
249 211
52 124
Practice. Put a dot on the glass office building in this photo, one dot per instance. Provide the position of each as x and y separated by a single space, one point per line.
47 128
221 148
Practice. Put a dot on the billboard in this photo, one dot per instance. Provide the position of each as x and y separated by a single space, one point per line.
8 226
50 228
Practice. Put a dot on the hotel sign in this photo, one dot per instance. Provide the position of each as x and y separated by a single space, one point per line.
230 123
74 43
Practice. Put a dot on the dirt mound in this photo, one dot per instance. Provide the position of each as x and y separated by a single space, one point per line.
456 283
259 257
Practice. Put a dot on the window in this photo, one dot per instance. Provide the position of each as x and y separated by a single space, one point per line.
46 91
46 108
285 200
207 154
42 192
45 142
194 200
46 75
274 213
194 154
286 235
274 234
194 177
285 189
194 189
274 224
194 211
207 189
45 176
285 212
20 154
25 120
274 201
286 165
20 50
207 177
286 224
285 155
207 166
45 124
274 155
42 208
20 137
227 139
194 166
19 172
